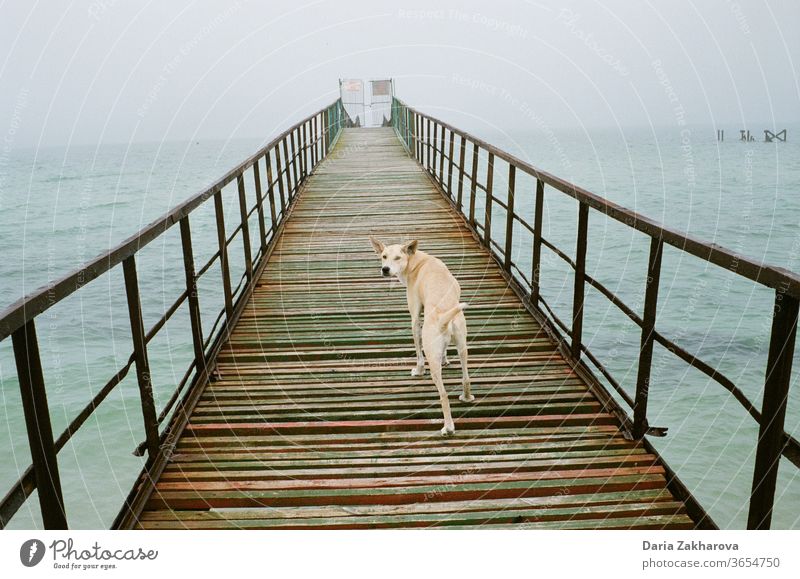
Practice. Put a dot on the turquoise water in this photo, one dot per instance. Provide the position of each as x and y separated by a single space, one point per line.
60 207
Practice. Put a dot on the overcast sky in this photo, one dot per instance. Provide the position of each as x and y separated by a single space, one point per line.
120 70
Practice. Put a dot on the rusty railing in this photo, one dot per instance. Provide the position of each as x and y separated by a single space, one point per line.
454 165
277 170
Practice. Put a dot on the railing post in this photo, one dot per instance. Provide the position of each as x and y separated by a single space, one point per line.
580 271
461 160
326 127
279 179
336 115
329 124
223 255
271 193
418 138
441 157
409 140
418 135
301 154
432 149
191 290
413 128
450 165
248 256
286 161
293 190
319 131
773 410
536 265
512 177
140 356
314 142
428 145
262 228
304 148
487 208
473 185
334 128
37 424
640 425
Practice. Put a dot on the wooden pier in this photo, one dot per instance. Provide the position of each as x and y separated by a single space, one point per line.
313 420
298 410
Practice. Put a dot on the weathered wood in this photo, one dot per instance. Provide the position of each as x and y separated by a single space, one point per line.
313 408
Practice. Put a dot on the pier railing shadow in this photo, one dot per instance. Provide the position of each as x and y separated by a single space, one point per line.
466 169
278 171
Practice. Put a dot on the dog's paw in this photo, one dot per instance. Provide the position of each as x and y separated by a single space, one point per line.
448 431
445 362
418 371
463 398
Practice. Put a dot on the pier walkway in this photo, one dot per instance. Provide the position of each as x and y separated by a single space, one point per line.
298 410
312 420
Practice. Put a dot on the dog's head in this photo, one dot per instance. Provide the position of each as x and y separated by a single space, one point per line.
394 258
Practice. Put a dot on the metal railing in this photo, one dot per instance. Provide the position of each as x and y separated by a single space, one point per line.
432 143
286 161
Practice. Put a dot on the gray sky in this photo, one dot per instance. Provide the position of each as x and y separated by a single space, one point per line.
121 70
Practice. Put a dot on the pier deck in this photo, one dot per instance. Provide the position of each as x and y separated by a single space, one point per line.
312 420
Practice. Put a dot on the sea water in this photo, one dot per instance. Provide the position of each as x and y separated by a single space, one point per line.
61 206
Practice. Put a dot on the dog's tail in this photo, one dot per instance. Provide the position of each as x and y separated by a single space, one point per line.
446 317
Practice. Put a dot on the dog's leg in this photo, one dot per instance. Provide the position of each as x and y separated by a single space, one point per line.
460 335
416 331
436 373
445 361
433 345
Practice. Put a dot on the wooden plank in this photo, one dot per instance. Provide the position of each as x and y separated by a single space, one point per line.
312 419
355 511
594 515
466 491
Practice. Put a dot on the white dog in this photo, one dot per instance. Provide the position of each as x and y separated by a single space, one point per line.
430 286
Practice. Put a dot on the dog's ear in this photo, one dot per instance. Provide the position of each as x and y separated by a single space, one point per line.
410 247
377 245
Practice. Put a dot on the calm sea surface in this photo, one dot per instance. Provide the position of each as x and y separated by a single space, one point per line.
59 207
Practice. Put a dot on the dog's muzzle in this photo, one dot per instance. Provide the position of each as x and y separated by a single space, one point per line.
385 271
